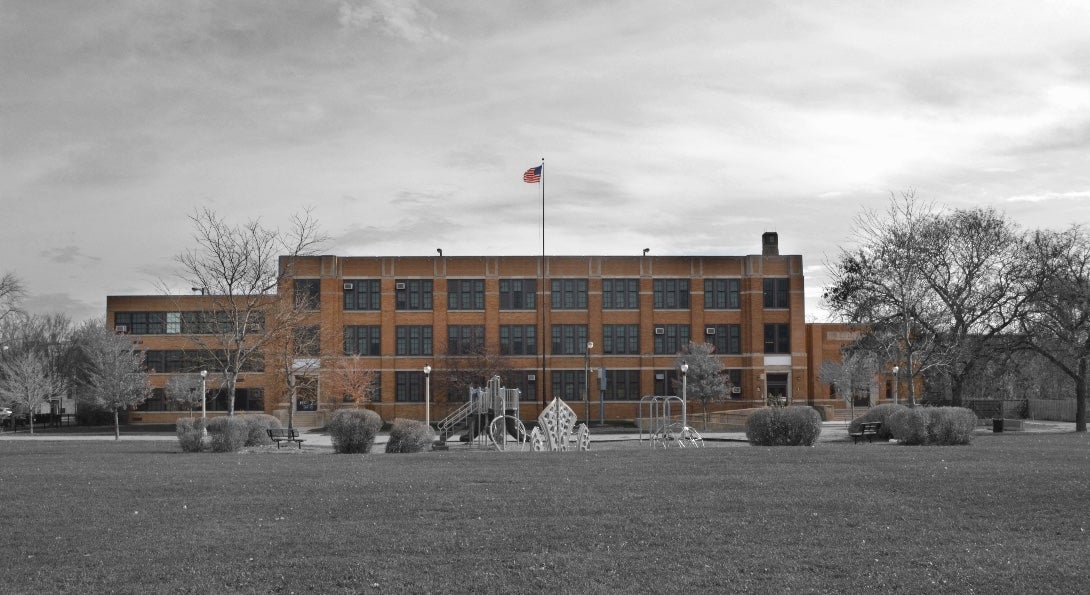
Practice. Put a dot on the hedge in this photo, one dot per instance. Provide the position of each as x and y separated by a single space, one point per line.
354 430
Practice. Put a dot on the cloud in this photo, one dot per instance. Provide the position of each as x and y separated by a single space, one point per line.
67 255
404 19
1048 196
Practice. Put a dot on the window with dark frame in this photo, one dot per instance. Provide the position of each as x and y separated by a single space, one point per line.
363 294
623 385
670 294
465 339
671 339
569 384
414 340
727 338
518 294
722 294
568 294
620 339
777 293
410 387
777 338
518 339
413 294
308 293
363 340
620 294
307 341
569 339
465 294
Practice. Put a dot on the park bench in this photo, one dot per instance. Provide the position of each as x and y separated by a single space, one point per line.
866 430
279 435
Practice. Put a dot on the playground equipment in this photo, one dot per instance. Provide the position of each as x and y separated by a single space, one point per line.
489 416
556 431
660 424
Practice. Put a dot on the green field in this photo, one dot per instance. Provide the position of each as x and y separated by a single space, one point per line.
1006 514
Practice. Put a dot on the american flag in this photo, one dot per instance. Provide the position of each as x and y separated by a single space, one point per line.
532 175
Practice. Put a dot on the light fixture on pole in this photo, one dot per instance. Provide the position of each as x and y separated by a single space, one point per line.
204 398
427 395
586 381
684 394
896 383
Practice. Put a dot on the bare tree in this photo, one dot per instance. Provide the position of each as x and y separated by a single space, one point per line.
12 293
350 380
28 383
184 390
116 376
239 268
293 345
704 378
1056 322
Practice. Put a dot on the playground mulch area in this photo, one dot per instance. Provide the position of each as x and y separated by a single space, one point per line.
1003 514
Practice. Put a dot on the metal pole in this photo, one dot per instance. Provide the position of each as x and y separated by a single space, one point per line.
427 395
586 382
684 396
204 399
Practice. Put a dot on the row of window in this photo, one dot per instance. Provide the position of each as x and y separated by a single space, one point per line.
565 339
570 385
180 323
170 361
565 294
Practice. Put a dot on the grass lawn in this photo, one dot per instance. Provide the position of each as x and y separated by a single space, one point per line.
1006 514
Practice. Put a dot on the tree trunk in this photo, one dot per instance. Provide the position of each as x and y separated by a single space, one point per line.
1080 397
30 418
117 426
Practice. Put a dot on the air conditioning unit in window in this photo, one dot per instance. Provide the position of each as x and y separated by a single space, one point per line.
121 328
736 390
399 286
531 376
348 286
660 330
710 330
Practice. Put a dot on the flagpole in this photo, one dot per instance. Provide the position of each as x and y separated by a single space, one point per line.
544 324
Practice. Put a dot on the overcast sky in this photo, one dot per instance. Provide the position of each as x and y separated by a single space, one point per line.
688 128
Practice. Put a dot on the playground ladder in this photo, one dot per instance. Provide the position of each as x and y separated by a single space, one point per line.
450 423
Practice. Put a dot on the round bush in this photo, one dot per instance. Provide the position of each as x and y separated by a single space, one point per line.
256 426
354 430
791 426
933 425
190 434
409 435
228 433
880 413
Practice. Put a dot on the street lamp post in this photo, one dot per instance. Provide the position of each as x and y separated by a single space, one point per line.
427 395
586 381
684 395
204 399
896 383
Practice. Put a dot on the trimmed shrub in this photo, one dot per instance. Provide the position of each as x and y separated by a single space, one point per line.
354 430
791 426
189 433
228 433
880 413
933 425
409 435
256 426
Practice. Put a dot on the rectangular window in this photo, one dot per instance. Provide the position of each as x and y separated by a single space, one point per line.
620 339
518 294
414 340
671 294
520 379
308 293
568 294
620 294
569 339
569 384
410 387
413 294
465 339
777 293
308 341
733 380
174 323
670 338
727 338
623 385
465 294
777 338
155 361
363 340
668 382
362 294
722 294
518 339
